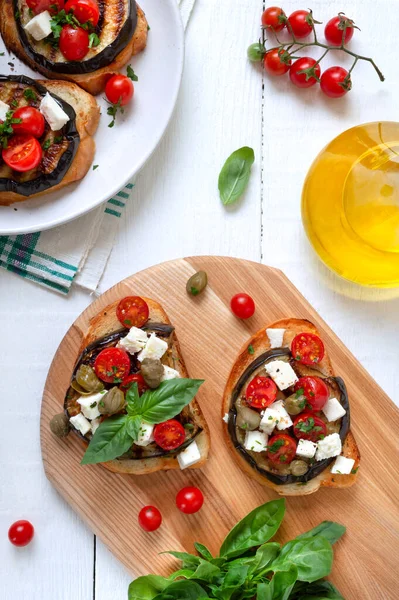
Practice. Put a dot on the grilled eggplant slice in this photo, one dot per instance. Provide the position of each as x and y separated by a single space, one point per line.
59 147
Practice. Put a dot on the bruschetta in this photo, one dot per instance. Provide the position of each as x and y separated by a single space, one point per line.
130 360
287 415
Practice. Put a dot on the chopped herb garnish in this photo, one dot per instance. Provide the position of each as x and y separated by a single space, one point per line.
283 458
114 369
58 139
94 40
112 111
275 446
2 53
101 403
93 404
251 349
148 28
29 94
189 426
131 74
31 13
46 144
95 167
126 321
17 15
6 129
194 291
117 380
299 393
354 471
14 103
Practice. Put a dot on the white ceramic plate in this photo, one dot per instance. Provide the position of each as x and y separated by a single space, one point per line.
122 150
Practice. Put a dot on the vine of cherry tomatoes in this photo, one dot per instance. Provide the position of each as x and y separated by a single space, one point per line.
304 71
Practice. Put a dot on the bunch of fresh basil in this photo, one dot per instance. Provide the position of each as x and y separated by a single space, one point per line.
116 434
249 566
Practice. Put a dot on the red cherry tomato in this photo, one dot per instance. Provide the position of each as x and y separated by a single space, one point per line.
132 311
84 10
119 89
32 121
274 18
274 64
300 23
242 306
281 449
169 435
74 42
261 392
304 80
150 518
315 391
38 6
335 82
112 365
21 533
307 426
23 153
189 500
135 378
334 30
307 348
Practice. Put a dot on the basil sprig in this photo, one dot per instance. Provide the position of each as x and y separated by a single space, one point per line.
249 566
234 176
116 434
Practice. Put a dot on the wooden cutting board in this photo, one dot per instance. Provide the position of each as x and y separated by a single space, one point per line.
366 559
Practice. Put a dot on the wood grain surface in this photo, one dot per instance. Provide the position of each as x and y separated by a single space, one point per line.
210 336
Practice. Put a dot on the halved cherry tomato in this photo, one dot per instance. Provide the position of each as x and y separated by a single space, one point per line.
135 378
38 6
32 121
274 18
307 426
74 42
119 89
281 449
21 533
84 10
261 392
242 306
315 391
132 311
23 153
150 518
112 365
307 348
189 500
169 435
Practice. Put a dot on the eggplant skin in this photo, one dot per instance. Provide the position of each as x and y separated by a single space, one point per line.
70 134
98 58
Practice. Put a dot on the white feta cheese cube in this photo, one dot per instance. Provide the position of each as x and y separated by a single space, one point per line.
269 420
53 113
275 337
4 108
154 348
329 446
306 449
226 417
284 420
169 373
343 466
89 404
146 434
333 409
95 424
256 441
135 340
189 456
80 423
40 26
282 374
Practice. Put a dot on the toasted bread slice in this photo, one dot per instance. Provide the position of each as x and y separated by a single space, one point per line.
106 323
261 344
93 82
87 118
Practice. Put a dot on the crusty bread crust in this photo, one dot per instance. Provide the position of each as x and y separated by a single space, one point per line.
87 118
260 343
102 325
94 82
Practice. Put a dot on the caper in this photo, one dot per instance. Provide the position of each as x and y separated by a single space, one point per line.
87 379
60 425
295 404
112 402
197 283
152 371
247 418
299 467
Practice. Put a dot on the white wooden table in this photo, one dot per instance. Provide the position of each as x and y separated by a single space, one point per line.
176 212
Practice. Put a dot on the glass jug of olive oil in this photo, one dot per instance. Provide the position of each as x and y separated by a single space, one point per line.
350 204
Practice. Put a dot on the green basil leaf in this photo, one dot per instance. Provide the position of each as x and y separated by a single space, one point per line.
133 400
168 400
265 555
186 573
147 587
110 441
133 427
328 529
313 558
182 590
283 583
234 176
264 591
319 590
203 551
205 571
256 528
188 560
235 576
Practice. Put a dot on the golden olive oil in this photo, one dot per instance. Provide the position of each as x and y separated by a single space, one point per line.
350 204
